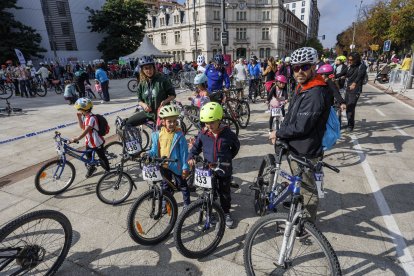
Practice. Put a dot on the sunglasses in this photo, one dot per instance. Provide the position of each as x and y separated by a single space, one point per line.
350 59
303 67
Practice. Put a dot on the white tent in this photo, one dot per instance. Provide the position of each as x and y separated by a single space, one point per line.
147 49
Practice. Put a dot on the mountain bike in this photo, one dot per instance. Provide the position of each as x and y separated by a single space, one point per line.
238 110
36 243
153 215
287 243
57 86
200 227
133 85
56 176
9 109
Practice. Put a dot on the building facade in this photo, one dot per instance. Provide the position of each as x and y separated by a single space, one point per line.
308 12
255 27
62 25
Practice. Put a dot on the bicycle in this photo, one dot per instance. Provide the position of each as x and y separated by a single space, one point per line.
6 90
60 177
37 243
238 110
153 215
39 86
270 243
262 89
9 109
203 217
57 86
133 85
277 114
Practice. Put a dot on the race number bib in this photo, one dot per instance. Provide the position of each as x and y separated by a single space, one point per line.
151 173
59 148
319 184
133 147
202 178
276 112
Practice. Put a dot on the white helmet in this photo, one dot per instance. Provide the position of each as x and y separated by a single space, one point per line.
200 60
287 59
304 55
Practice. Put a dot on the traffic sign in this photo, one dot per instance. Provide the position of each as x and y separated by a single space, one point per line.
352 46
387 46
225 38
374 47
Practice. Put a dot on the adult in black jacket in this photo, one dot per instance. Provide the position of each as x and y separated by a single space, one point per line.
305 123
80 77
354 81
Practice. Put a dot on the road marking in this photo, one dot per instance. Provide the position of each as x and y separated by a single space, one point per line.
397 128
402 251
380 112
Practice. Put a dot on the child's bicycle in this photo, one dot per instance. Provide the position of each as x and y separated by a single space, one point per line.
277 114
285 243
153 215
201 226
57 175
35 243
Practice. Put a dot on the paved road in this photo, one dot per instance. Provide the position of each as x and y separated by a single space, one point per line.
366 215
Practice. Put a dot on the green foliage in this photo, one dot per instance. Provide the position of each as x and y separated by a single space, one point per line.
123 21
314 43
16 35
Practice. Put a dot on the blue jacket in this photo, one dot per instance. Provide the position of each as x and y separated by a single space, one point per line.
224 147
178 150
100 75
216 77
254 71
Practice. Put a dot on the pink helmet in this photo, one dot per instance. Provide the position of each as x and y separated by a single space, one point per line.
325 69
281 79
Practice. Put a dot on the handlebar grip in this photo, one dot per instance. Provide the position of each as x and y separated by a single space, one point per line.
302 162
225 164
330 167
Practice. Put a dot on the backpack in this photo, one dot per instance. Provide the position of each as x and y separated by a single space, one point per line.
365 79
103 125
332 132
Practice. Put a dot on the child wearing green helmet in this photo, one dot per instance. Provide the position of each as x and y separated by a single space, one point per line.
217 143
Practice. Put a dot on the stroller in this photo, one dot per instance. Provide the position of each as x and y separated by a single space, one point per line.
383 76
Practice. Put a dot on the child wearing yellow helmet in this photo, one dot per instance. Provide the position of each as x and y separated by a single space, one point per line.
217 143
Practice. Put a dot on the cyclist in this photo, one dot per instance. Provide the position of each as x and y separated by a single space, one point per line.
201 64
103 79
80 77
327 73
89 124
304 125
201 93
216 74
277 97
270 73
240 74
170 141
44 74
218 143
340 70
154 91
254 72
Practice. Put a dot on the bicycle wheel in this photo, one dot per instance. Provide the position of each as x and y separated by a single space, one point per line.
5 92
192 116
133 86
90 94
311 255
262 91
194 236
114 151
39 91
114 188
58 89
264 181
175 81
38 243
147 224
145 139
61 176
232 124
243 112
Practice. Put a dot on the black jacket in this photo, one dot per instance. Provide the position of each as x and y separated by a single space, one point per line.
336 96
305 123
356 74
341 72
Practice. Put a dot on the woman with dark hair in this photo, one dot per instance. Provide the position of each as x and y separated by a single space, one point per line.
103 79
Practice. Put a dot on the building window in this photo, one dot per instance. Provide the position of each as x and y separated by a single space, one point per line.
302 10
293 5
241 15
195 16
303 3
287 6
267 54
149 24
164 38
266 15
65 28
216 15
162 21
302 17
151 38
216 34
176 19
177 35
265 33
293 11
61 8
69 46
196 34
261 53
241 33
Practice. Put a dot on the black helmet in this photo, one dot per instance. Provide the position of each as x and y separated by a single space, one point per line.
144 60
218 58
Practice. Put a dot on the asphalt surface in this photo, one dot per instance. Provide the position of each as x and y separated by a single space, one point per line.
366 214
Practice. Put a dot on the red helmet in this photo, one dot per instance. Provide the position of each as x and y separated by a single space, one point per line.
281 79
325 69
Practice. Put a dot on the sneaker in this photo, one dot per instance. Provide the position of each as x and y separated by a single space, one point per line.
229 221
350 129
267 111
90 171
102 101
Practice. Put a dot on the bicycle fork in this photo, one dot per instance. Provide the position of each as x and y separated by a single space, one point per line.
289 237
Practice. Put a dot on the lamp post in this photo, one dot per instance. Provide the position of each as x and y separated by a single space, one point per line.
223 17
195 29
354 23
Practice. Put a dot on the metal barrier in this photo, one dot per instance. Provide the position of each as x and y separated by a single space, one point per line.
398 81
187 77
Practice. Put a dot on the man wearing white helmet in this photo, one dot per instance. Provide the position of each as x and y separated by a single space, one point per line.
201 64
305 123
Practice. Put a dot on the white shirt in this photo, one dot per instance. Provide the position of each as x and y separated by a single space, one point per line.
93 140
240 71
201 69
43 72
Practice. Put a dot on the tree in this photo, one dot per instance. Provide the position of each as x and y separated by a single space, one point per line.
378 22
401 25
314 43
16 35
123 21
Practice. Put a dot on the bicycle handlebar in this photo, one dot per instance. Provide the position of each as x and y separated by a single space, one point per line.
305 162
158 159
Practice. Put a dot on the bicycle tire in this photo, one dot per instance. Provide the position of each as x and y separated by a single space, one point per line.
243 123
193 111
199 207
133 86
112 186
265 178
114 152
134 226
262 91
90 94
58 89
40 92
5 93
230 122
38 216
183 126
42 174
279 219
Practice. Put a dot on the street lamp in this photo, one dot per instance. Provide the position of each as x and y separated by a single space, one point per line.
195 29
354 23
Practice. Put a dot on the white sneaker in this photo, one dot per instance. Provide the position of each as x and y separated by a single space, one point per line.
102 101
228 220
267 111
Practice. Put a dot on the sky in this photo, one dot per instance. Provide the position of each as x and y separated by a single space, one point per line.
336 16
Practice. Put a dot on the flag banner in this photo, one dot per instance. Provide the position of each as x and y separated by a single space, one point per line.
20 56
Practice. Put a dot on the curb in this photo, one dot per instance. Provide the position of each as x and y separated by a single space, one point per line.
396 95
